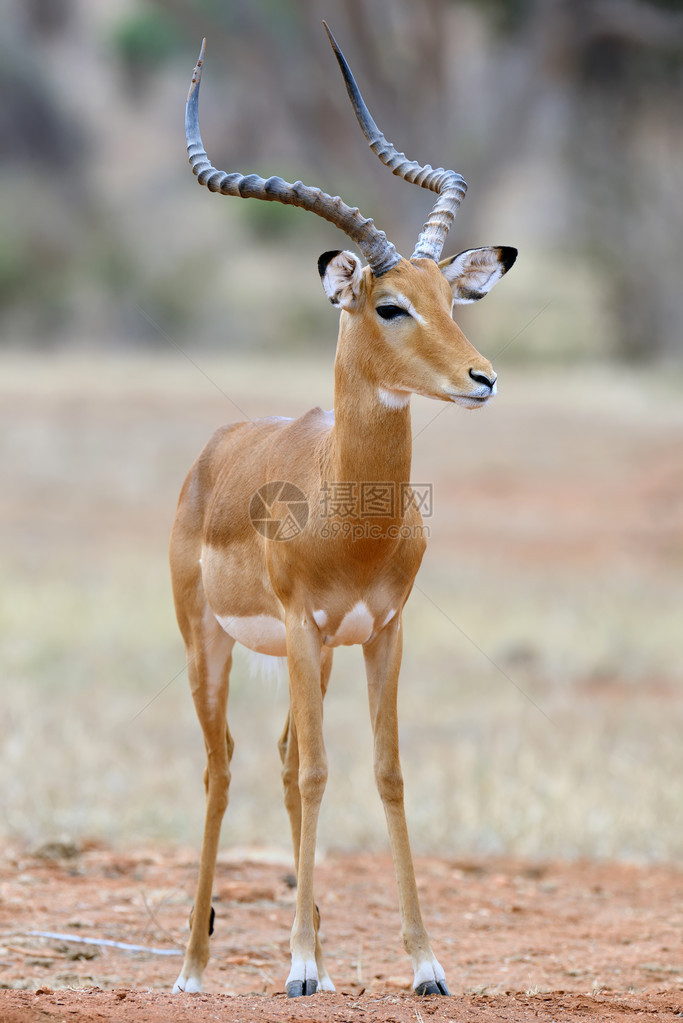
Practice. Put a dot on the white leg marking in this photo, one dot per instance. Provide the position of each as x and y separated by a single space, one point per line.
428 970
215 658
190 985
303 970
325 984
389 615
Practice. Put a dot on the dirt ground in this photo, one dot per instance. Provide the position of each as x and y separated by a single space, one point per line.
598 492
518 941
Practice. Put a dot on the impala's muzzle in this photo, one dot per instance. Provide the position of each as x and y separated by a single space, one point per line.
486 387
484 380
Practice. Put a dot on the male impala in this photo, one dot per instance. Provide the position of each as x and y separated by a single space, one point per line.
239 577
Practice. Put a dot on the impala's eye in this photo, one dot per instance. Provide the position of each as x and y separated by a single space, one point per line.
391 312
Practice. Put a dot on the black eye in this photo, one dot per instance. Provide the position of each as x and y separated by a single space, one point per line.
391 312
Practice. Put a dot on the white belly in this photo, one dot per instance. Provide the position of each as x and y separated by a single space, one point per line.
262 633
266 634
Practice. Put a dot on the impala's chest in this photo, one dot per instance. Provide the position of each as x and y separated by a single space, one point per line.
340 623
358 624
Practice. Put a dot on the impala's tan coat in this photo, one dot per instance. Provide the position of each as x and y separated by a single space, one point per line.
326 585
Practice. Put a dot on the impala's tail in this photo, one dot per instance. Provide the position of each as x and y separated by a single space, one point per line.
272 670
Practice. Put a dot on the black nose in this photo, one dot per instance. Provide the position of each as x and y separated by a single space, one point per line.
481 378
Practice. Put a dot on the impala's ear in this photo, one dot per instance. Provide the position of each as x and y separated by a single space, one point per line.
473 273
341 274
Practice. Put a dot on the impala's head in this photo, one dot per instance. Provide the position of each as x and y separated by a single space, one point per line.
397 312
400 324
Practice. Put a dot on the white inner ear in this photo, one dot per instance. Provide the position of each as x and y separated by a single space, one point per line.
473 273
341 280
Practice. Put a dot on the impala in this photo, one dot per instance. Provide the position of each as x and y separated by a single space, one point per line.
261 552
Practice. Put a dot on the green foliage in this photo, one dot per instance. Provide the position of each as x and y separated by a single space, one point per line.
270 221
669 5
507 16
34 269
145 38
15 271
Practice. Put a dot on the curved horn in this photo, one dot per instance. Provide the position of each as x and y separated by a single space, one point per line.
373 243
451 187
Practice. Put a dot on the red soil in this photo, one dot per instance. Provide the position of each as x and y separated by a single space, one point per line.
518 941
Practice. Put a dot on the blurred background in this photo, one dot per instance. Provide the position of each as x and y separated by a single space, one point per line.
542 684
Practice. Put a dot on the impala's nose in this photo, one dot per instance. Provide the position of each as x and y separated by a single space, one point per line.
482 378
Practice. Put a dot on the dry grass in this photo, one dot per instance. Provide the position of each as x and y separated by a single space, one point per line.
541 692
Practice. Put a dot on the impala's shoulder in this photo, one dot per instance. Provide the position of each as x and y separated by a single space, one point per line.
274 421
315 422
319 417
249 432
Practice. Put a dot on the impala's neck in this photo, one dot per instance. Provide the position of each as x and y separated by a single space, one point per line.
369 441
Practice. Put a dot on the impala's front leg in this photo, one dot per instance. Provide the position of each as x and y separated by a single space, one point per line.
306 703
382 663
289 754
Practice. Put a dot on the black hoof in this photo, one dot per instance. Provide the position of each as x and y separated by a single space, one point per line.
299 988
431 987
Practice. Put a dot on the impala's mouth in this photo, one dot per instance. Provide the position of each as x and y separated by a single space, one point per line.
470 400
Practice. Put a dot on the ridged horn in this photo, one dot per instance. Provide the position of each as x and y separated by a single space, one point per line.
373 243
451 187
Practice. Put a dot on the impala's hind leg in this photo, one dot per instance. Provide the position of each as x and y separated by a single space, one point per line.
209 662
289 754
